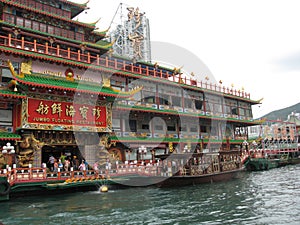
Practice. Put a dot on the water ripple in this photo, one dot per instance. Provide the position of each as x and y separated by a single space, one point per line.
268 197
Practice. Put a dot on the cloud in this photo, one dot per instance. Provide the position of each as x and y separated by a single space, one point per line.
289 62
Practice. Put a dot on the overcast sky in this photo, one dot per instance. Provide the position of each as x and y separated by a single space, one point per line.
251 44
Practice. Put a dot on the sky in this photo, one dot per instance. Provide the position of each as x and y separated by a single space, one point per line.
253 45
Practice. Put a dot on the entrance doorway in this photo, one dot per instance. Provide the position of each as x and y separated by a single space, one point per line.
57 150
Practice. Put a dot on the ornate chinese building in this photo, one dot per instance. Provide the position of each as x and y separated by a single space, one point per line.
64 92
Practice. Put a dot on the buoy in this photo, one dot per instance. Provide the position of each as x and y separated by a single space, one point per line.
103 188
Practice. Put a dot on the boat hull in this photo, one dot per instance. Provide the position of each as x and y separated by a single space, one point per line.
175 181
260 164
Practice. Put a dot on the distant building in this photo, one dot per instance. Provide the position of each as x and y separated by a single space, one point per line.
277 129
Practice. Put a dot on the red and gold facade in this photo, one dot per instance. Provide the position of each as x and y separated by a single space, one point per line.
64 92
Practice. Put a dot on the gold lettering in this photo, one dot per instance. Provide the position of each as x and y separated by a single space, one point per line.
42 109
83 111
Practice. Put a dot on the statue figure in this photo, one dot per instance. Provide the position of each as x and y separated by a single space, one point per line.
30 151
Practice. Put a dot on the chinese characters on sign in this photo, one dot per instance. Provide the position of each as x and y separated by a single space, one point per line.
136 37
65 113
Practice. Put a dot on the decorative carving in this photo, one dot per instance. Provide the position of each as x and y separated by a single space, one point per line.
106 142
30 151
26 67
69 74
2 160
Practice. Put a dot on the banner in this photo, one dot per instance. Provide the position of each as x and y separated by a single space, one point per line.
65 113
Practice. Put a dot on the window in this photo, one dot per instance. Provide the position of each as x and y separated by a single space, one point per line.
148 97
50 29
145 126
27 23
116 124
9 19
5 118
203 129
171 128
163 99
193 129
198 104
132 125
176 101
182 128
188 103
43 28
20 21
230 107
159 127
35 25
57 31
79 37
214 103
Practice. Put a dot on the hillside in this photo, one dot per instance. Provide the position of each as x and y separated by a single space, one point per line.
282 113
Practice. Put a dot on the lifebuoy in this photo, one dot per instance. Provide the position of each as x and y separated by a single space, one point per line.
6 187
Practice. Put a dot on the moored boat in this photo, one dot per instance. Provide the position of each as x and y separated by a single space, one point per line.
277 146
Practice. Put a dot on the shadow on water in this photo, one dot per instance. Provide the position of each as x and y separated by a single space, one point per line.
269 197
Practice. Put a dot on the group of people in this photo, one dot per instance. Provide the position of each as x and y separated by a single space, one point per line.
64 163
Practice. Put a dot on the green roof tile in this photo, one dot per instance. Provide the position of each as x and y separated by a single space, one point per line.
12 94
48 81
9 136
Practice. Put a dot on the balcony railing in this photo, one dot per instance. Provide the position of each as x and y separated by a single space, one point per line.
116 64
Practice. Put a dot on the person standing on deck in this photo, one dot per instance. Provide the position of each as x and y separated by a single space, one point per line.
82 166
51 162
75 162
67 164
95 167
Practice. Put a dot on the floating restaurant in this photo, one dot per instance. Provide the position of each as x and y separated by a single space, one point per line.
65 93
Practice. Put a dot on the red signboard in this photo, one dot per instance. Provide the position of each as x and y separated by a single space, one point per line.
65 113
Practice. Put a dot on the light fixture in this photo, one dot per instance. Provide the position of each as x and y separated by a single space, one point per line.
15 89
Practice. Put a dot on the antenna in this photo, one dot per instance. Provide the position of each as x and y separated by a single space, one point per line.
119 6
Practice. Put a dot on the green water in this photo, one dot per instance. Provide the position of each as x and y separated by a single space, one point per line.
268 197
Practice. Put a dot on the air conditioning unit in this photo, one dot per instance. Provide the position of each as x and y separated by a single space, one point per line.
132 103
179 109
162 107
154 106
156 135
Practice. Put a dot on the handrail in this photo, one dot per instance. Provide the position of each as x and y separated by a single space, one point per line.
116 64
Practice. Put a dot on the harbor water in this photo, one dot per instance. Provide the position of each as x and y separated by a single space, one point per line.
268 197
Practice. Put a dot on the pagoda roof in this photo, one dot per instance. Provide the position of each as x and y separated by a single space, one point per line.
61 83
77 8
11 94
9 136
17 4
105 45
